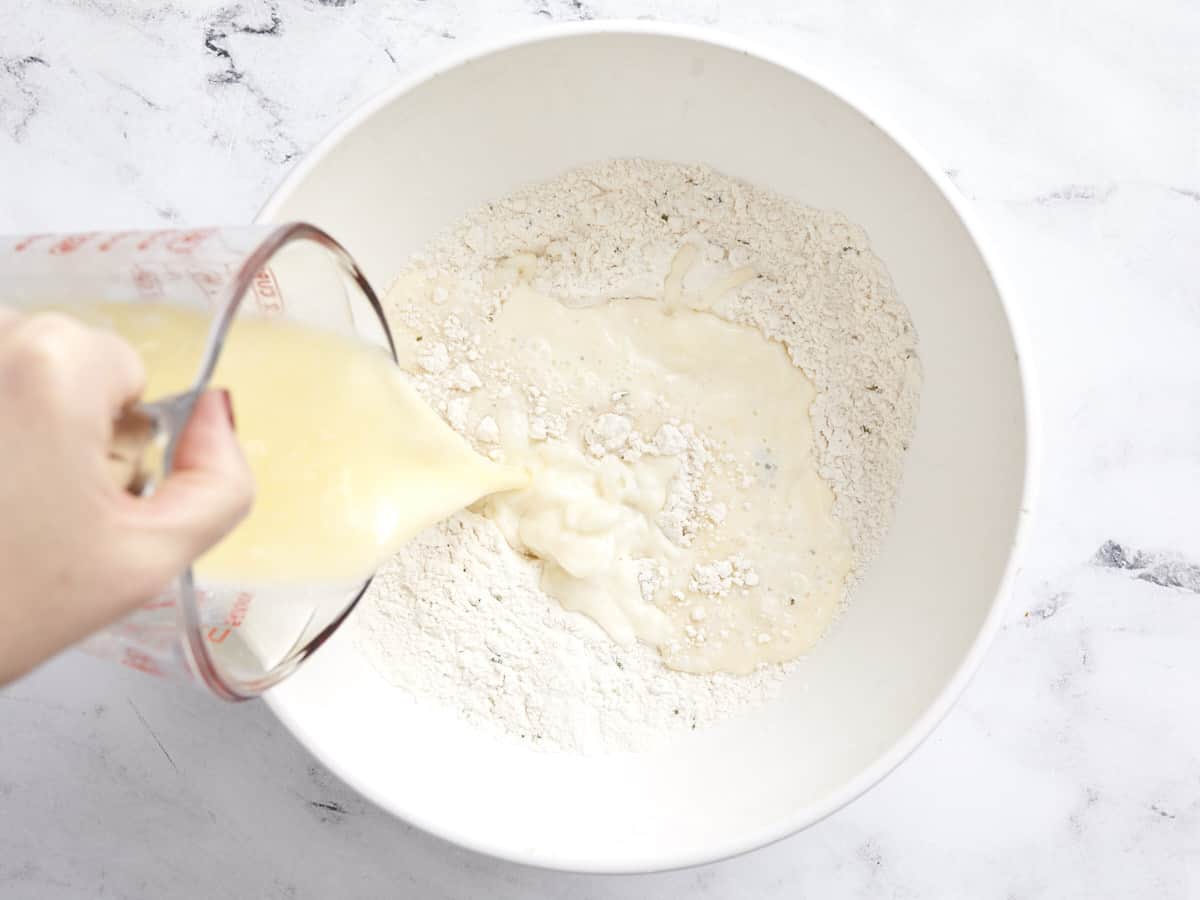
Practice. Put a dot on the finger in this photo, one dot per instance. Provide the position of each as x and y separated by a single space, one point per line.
118 370
209 491
70 366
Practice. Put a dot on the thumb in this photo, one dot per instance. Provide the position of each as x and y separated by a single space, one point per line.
210 489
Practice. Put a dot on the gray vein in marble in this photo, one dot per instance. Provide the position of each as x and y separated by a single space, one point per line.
217 31
1163 569
1077 819
21 99
1049 609
335 804
150 731
136 94
273 28
560 11
1076 192
282 148
31 874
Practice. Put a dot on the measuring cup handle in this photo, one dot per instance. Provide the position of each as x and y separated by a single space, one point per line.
141 429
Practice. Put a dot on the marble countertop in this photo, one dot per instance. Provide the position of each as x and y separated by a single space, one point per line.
1071 768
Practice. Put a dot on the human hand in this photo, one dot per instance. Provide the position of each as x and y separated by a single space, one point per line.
77 551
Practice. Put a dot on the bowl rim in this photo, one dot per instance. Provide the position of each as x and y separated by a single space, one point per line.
805 816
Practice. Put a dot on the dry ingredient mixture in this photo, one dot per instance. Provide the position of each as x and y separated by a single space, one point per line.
461 619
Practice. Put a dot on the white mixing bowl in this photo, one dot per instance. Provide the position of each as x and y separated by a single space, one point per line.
419 156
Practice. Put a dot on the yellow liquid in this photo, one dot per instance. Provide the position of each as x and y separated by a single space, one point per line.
348 461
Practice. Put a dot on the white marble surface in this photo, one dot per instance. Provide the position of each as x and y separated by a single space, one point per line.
1072 766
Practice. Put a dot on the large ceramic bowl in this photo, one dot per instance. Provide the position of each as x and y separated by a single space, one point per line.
416 158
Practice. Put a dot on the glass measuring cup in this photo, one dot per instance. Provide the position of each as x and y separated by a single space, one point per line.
237 639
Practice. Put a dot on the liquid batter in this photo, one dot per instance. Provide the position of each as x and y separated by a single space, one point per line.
646 394
348 461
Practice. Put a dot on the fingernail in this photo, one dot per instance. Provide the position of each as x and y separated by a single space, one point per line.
228 401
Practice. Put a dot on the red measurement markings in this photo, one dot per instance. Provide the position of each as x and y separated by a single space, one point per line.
112 240
143 662
148 283
212 283
266 292
71 243
184 242
27 242
233 619
150 237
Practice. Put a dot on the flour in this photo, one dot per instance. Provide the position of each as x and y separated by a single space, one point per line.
458 619
717 579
